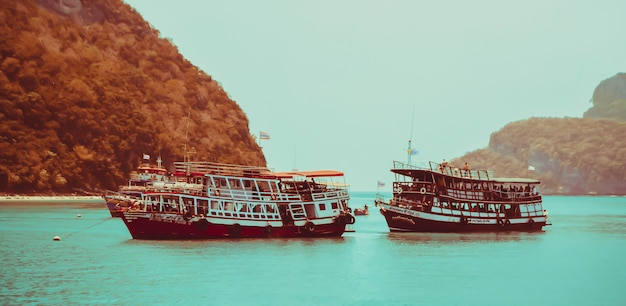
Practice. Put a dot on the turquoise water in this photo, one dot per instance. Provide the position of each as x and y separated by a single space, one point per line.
580 260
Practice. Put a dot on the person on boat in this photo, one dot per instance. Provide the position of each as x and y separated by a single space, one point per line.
443 165
466 169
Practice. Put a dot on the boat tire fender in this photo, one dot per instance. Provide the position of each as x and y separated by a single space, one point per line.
309 227
350 219
202 224
234 230
268 230
273 196
507 222
187 216
463 220
423 190
217 192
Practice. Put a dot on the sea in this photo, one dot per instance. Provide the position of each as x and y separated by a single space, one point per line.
579 260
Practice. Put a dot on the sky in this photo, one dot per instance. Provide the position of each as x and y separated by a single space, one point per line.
345 84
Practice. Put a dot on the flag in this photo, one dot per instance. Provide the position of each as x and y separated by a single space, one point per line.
412 152
264 135
381 184
531 168
146 156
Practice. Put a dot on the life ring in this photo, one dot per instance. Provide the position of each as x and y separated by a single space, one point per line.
273 196
423 190
217 192
309 227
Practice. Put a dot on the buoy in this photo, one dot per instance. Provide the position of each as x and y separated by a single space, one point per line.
78 216
56 238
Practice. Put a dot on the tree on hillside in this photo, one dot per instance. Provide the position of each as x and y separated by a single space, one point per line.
86 90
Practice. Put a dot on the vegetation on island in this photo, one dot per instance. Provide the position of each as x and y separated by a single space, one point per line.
568 155
88 87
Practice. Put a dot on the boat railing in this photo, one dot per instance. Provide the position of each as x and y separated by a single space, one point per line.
416 186
220 169
330 194
516 196
241 210
297 211
448 170
402 165
409 204
252 195
191 188
109 194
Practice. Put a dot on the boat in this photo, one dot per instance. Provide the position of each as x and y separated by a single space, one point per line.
203 200
146 177
442 198
362 211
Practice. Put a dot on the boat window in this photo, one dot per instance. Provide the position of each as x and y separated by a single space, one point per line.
274 185
334 205
322 206
263 186
234 183
219 182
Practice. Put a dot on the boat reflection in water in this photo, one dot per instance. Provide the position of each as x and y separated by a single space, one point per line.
459 238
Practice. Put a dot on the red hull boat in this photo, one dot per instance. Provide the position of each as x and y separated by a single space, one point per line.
208 200
447 199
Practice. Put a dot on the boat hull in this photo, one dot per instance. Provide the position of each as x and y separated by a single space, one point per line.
115 209
158 226
403 220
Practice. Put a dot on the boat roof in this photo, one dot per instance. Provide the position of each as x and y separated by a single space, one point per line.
317 173
523 180
478 175
151 168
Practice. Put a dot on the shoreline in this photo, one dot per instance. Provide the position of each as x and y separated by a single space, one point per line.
48 198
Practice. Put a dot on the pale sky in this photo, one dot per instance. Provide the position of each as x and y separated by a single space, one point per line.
345 84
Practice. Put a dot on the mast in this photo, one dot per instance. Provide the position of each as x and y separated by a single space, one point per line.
409 149
187 154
